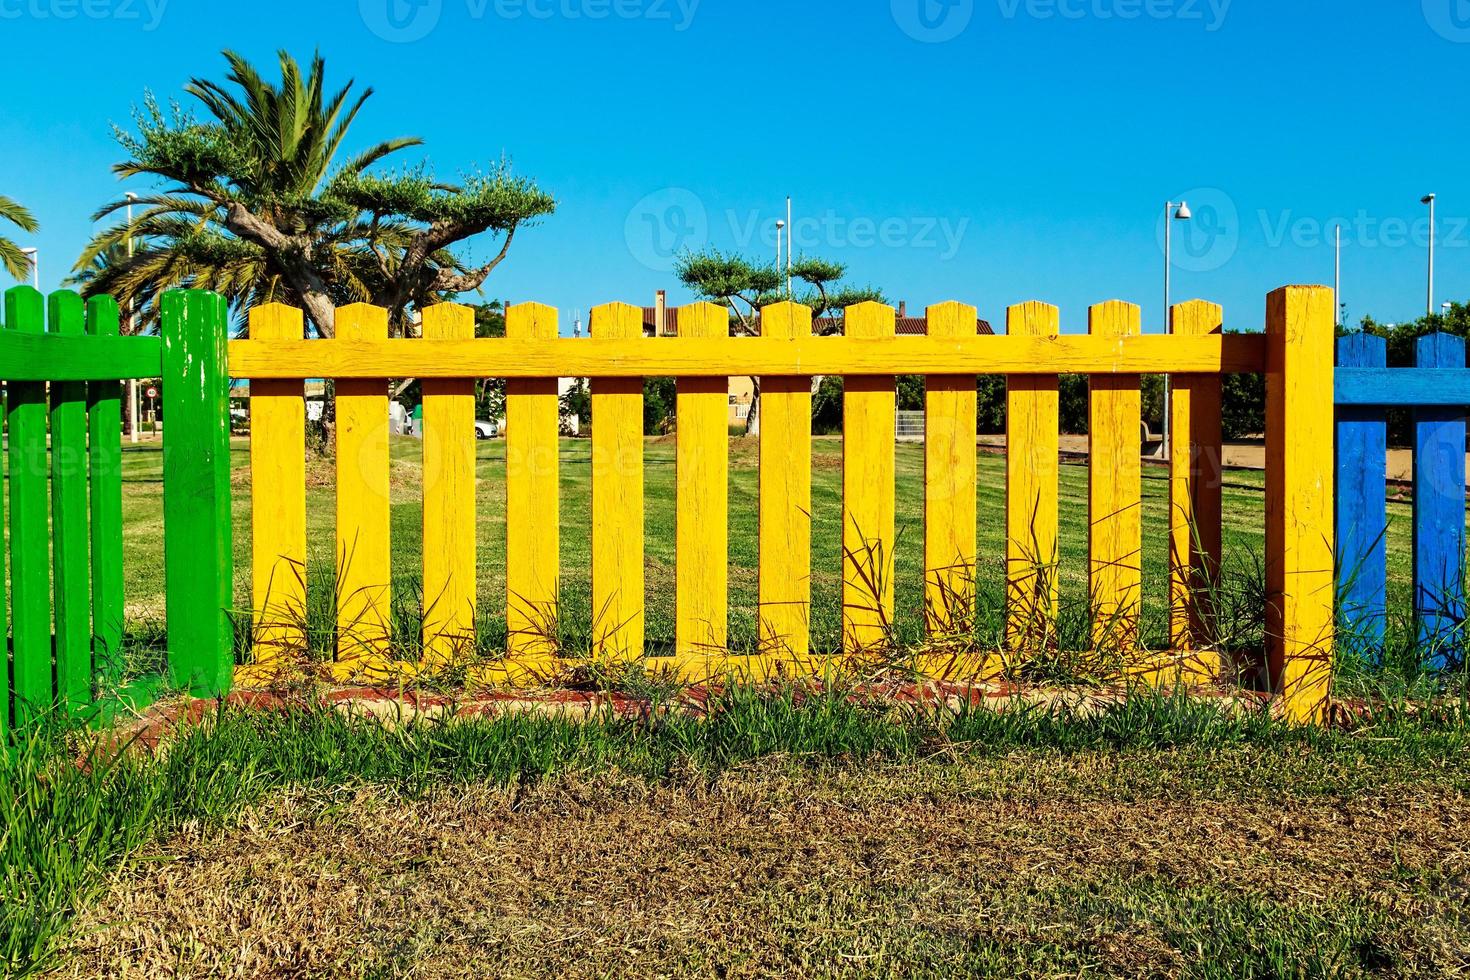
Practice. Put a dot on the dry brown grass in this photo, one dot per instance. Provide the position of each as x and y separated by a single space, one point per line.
1090 864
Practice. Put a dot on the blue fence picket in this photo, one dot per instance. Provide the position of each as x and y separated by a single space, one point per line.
1362 511
1439 510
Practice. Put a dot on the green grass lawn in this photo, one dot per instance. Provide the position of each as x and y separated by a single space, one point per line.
1243 536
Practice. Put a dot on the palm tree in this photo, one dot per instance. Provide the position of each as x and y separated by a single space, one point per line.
257 206
16 262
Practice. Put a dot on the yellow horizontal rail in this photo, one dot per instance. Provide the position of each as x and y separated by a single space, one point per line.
696 357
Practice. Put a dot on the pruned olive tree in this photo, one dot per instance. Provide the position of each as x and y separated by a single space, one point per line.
744 287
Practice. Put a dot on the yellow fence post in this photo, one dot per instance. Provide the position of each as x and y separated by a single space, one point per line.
1194 489
949 486
702 495
1299 507
1032 426
278 498
532 495
868 429
449 499
786 496
617 497
364 570
1115 492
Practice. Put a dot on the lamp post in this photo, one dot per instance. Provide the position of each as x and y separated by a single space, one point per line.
133 405
1337 279
790 229
1172 213
780 228
1429 200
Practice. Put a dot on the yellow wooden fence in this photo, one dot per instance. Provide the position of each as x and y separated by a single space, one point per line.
1295 352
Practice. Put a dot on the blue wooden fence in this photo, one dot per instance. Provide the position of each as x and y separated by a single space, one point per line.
1437 390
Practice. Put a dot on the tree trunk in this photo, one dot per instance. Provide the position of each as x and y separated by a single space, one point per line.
753 420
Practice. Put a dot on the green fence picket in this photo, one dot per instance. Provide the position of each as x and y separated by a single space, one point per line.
104 419
197 546
30 578
70 566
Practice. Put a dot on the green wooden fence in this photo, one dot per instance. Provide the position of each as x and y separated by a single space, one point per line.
62 360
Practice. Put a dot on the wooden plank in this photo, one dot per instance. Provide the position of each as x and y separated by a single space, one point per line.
785 560
869 406
449 499
701 523
1194 488
1032 425
278 498
949 487
30 536
532 494
104 442
1362 507
617 498
1439 512
364 558
71 566
197 540
717 357
1115 490
1412 387
1299 471
58 357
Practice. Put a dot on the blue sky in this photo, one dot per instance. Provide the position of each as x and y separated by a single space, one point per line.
991 151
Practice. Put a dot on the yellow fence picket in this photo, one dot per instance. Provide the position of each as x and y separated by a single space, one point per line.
868 428
1115 519
786 496
364 570
617 498
278 498
1300 536
1032 424
701 523
532 495
949 486
449 499
1194 487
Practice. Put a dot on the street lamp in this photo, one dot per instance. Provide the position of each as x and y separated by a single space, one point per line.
133 405
35 257
1429 200
1172 213
780 227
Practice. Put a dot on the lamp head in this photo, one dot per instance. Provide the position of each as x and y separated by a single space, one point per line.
1183 214
1427 199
